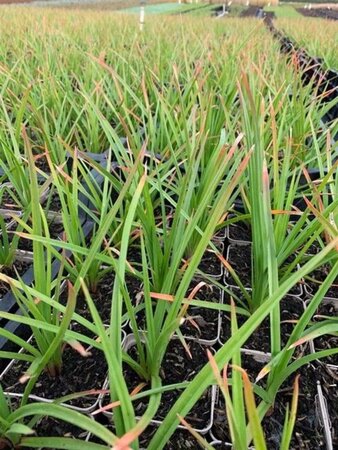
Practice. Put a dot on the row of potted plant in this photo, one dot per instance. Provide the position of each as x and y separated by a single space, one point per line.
141 235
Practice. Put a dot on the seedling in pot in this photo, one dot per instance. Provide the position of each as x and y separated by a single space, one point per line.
163 319
239 400
200 318
179 364
16 167
14 428
44 339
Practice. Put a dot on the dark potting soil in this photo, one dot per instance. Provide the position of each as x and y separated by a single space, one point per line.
314 248
78 374
199 322
291 309
18 266
240 232
51 427
317 277
202 323
308 433
180 440
253 364
327 341
7 221
177 367
52 202
7 201
42 163
55 231
251 11
220 429
200 415
102 298
240 259
324 13
134 256
221 446
210 264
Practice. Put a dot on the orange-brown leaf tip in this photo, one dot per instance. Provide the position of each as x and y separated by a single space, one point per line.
263 373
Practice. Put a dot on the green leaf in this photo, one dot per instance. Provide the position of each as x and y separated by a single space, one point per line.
21 429
62 443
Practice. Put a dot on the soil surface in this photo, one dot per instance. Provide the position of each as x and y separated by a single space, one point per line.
18 266
203 323
240 259
327 341
177 366
102 298
50 427
134 256
181 439
211 265
307 435
55 231
329 383
78 374
7 221
40 159
7 201
240 232
199 322
291 308
52 202
314 249
316 278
